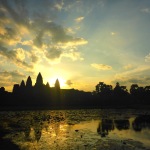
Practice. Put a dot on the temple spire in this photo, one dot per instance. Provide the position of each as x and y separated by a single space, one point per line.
22 85
39 80
57 85
47 85
29 82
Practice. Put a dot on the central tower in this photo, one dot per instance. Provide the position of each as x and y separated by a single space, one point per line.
39 80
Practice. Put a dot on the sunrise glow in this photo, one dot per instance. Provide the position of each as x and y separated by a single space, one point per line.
84 42
61 81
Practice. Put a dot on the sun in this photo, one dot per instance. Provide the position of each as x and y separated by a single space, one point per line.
62 81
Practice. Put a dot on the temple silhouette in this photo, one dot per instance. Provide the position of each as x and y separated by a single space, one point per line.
41 96
38 95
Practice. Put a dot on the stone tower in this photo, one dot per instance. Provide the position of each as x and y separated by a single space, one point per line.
39 80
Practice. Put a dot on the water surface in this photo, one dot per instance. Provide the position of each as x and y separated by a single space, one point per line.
77 129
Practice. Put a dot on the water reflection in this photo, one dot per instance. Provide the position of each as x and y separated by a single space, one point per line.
105 126
29 125
122 124
140 122
64 129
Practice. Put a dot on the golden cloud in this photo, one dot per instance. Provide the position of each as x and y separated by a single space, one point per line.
27 42
129 66
76 42
79 19
73 55
20 54
101 66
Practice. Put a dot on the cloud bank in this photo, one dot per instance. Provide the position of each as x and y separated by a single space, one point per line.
36 31
134 76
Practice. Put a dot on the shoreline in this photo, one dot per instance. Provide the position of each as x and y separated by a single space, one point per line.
36 108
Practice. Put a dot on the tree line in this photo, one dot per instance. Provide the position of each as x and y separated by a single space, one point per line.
136 95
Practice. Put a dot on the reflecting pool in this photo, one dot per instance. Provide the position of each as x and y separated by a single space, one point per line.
90 129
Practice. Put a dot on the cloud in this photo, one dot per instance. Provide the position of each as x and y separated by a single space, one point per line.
5 83
133 80
132 73
9 36
101 66
15 74
76 42
70 30
34 58
38 40
8 78
27 42
37 33
58 43
113 33
79 19
74 55
59 5
136 80
17 56
56 34
53 53
129 66
69 82
18 13
2 30
53 32
147 58
145 10
139 75
20 53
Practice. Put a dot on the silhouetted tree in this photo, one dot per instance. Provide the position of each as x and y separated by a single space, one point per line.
134 89
103 89
147 89
117 89
120 90
147 94
140 94
2 90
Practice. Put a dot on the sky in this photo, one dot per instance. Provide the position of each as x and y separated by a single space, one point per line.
80 42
